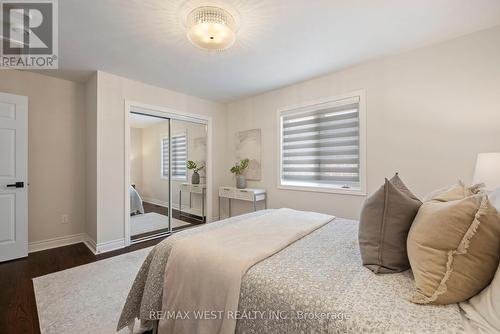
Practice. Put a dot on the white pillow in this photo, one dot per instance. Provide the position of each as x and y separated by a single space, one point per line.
494 198
483 310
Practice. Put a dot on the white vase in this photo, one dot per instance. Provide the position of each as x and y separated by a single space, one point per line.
195 178
241 182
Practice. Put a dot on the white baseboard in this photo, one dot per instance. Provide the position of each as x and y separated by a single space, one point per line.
163 203
90 243
66 240
109 246
103 247
185 207
155 201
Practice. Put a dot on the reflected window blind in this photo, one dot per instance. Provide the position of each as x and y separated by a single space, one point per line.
179 156
320 145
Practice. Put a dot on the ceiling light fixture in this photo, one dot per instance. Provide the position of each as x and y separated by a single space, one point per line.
211 28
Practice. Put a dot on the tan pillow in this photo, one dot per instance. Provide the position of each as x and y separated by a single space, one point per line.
483 310
455 192
385 220
454 249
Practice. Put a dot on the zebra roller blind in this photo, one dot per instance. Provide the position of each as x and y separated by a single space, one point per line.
179 156
320 145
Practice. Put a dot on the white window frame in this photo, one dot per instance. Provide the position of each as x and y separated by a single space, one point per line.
311 105
174 178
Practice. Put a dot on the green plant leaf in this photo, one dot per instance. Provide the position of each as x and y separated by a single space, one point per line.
191 165
240 167
244 164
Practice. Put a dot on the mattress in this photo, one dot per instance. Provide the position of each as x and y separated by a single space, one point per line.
315 285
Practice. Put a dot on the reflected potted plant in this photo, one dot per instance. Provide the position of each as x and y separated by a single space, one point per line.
191 165
237 170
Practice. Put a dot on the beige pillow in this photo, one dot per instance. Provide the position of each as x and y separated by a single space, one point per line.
483 310
455 192
454 249
385 220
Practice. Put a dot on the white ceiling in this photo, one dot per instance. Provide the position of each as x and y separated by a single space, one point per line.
280 42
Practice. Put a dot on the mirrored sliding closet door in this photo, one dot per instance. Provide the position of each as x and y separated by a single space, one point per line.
149 176
168 183
189 181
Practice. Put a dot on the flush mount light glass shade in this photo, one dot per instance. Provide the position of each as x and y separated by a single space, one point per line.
211 28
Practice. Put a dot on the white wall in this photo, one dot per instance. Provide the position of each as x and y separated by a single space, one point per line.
429 112
56 153
154 187
91 201
136 159
112 91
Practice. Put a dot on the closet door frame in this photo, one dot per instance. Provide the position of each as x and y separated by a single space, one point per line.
171 114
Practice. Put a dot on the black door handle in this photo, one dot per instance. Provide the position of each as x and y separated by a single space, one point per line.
16 185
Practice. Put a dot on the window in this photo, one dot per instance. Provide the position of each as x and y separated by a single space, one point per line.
322 146
179 157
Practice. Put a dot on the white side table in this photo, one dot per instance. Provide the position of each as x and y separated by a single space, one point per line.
247 194
193 189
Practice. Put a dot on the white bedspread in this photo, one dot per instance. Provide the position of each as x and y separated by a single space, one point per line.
204 272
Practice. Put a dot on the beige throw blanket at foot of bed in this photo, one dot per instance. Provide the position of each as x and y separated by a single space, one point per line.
204 272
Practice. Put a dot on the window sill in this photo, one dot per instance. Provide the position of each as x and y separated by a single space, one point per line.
174 179
352 192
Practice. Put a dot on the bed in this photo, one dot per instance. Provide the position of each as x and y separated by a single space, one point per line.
317 283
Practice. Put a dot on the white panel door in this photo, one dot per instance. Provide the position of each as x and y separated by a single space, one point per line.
13 176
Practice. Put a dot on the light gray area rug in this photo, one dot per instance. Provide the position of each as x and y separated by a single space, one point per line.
152 221
88 298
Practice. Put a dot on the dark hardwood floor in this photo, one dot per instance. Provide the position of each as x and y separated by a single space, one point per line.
192 219
150 207
18 314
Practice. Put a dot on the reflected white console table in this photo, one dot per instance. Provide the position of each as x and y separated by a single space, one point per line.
247 194
193 189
